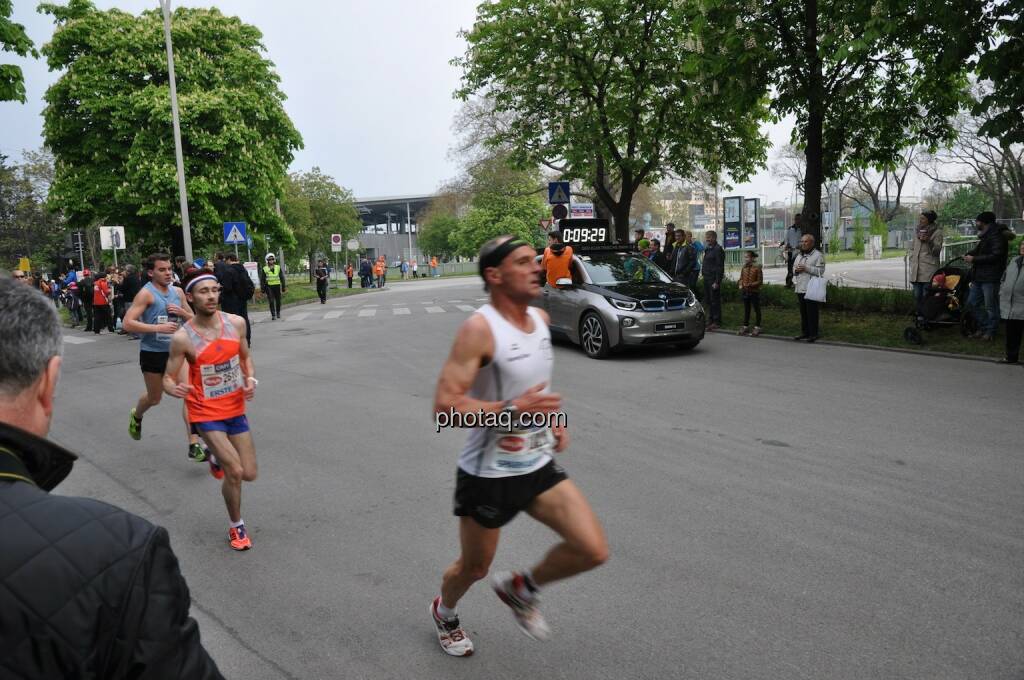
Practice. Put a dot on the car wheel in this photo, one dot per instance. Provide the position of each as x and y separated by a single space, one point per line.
594 336
689 344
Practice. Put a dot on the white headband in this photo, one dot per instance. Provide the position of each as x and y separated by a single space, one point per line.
204 277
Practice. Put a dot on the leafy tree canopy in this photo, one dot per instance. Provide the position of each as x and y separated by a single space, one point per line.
13 39
615 92
315 206
1002 65
963 203
108 122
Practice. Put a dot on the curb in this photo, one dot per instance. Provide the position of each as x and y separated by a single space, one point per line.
877 348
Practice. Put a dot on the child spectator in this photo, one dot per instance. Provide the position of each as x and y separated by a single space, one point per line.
750 290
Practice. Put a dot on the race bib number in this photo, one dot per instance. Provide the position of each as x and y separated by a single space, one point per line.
221 379
520 450
161 319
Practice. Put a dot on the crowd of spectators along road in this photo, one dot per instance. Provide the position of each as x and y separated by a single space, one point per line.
996 276
97 300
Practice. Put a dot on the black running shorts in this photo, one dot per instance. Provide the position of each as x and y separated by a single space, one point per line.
153 362
494 501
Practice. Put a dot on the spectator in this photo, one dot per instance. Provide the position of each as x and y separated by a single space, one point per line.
273 285
670 243
656 256
88 590
405 269
751 279
237 289
714 273
321 275
684 267
378 273
85 294
1011 305
987 260
790 246
433 266
638 235
181 265
556 262
20 276
348 273
808 262
415 269
102 297
365 273
924 256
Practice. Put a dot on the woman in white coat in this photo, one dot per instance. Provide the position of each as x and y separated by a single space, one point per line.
1011 305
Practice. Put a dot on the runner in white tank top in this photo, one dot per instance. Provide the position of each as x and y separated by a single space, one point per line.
500 367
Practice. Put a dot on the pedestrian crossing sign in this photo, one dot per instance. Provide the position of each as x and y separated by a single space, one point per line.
558 192
234 232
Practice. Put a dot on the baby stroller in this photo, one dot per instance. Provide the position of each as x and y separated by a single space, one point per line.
945 303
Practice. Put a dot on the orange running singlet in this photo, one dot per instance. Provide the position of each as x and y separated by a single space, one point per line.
216 375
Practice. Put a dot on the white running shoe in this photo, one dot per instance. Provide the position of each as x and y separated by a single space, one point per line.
453 639
528 616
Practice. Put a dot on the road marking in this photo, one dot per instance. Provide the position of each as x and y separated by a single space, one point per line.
434 310
481 299
367 312
466 308
298 317
400 310
335 314
368 306
76 340
454 301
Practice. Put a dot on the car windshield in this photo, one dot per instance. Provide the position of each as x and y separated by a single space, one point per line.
609 269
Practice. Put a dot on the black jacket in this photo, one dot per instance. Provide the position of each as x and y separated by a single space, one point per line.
685 262
130 287
87 590
714 264
990 254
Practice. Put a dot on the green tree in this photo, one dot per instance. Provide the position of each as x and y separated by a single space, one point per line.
435 235
13 39
964 203
614 93
27 227
316 206
1001 65
108 121
864 78
858 236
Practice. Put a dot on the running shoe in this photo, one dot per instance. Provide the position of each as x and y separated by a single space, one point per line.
507 586
197 453
134 426
453 638
239 538
216 470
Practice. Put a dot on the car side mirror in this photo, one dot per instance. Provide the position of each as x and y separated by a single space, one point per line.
563 283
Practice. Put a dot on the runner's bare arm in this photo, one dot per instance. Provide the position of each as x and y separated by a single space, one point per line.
179 343
184 311
131 323
473 347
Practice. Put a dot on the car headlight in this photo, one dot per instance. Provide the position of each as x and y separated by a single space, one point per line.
691 299
627 305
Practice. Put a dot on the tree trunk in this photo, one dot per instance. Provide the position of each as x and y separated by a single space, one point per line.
810 215
311 265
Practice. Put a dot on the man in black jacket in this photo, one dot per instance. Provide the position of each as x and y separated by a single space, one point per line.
236 289
987 260
87 590
714 273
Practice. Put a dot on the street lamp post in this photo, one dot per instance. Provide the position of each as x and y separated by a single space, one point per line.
186 229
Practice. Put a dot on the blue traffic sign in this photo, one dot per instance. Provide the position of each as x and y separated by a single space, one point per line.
558 192
234 232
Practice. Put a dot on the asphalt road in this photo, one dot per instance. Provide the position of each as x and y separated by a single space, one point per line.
774 510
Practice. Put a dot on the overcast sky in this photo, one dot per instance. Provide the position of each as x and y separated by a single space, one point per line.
369 87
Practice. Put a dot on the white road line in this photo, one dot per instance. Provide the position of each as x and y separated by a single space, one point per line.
400 310
368 306
335 314
454 301
466 308
482 299
298 317
434 310
76 340
368 312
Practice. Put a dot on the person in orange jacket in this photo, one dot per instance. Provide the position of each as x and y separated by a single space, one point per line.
348 274
378 271
433 266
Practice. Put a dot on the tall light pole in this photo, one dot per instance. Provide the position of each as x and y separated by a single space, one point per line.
186 228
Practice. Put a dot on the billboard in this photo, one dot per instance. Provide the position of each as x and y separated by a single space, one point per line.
751 213
733 224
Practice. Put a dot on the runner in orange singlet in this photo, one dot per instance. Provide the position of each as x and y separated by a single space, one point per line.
220 380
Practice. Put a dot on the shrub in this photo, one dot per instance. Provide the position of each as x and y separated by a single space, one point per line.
840 298
858 236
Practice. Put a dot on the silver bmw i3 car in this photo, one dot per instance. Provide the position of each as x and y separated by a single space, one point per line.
617 297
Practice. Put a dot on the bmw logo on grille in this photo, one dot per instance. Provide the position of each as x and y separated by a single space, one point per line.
662 296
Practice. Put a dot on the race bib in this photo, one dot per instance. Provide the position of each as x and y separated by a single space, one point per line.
520 449
221 379
163 318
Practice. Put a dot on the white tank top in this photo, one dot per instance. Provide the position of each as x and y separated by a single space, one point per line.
521 360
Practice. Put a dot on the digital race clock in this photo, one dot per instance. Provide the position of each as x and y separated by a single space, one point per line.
588 233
